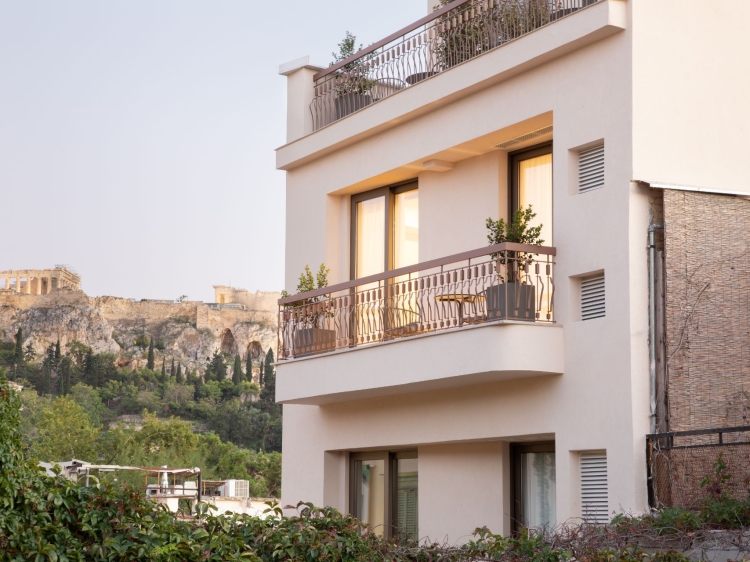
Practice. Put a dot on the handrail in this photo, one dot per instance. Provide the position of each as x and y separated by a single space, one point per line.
479 252
375 46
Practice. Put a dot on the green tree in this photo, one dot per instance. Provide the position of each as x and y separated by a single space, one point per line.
237 376
150 360
217 368
249 367
65 373
57 350
268 393
163 370
18 356
172 372
89 399
260 373
178 376
65 432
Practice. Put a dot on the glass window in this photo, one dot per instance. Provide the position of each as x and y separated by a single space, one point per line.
369 493
531 184
406 229
370 244
534 488
407 497
385 492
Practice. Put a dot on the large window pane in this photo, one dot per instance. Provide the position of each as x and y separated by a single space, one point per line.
535 189
406 229
370 256
538 489
369 490
407 497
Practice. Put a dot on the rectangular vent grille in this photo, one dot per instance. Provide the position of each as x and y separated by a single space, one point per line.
591 169
594 489
592 297
523 138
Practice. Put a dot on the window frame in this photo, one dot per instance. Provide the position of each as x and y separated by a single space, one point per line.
514 159
390 201
390 484
516 488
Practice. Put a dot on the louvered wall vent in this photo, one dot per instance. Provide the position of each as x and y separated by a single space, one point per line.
523 138
592 297
591 169
594 489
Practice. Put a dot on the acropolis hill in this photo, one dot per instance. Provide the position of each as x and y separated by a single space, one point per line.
47 305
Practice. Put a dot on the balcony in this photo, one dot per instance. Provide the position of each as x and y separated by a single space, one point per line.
456 33
491 311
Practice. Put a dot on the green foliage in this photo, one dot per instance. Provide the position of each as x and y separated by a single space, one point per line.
19 355
178 376
150 360
249 367
65 432
517 231
142 341
217 369
237 375
347 48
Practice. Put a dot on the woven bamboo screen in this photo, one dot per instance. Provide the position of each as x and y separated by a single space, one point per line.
707 255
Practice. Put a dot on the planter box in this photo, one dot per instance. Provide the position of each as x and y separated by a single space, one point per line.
351 102
519 299
308 341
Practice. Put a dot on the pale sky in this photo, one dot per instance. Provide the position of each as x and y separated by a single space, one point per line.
137 137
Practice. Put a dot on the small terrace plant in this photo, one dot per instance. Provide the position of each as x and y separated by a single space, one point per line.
352 77
310 315
518 231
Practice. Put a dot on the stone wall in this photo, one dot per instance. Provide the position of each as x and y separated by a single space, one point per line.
190 331
707 256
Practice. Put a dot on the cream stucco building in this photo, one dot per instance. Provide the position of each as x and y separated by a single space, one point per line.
437 385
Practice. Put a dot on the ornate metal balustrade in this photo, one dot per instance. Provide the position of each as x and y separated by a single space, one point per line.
449 36
496 283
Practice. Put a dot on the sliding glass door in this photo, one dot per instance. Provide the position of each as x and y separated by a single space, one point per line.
531 184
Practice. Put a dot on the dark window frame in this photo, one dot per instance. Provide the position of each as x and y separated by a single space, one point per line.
514 159
390 485
516 489
390 201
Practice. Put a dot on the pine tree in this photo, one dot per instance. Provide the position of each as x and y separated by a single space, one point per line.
217 368
150 361
57 350
249 367
237 376
178 376
18 356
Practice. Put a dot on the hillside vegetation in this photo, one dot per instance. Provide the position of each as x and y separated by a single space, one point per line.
80 404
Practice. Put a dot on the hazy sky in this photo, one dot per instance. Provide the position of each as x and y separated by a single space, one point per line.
137 137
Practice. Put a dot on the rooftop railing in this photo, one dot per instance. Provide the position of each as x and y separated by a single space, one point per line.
495 283
449 36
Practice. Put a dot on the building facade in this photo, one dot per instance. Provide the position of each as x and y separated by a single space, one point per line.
439 384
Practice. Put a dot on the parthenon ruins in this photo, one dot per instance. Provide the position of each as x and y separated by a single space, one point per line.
39 281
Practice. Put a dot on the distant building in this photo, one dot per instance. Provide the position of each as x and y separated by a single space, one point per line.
260 300
39 281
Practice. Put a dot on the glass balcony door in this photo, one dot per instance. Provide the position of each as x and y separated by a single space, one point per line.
534 486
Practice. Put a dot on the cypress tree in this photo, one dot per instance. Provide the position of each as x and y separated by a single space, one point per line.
249 367
217 368
64 372
178 376
88 368
18 355
260 373
268 394
150 361
237 376
57 350
163 370
172 372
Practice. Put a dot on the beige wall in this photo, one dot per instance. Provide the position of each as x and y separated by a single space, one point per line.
601 400
691 83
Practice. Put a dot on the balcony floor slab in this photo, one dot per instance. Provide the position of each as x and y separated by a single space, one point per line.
443 360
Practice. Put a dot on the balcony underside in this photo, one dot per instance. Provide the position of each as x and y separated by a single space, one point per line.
461 357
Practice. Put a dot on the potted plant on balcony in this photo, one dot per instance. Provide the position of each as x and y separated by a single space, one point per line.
307 315
352 85
513 297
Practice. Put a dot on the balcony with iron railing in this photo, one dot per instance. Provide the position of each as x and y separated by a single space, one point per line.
454 34
508 286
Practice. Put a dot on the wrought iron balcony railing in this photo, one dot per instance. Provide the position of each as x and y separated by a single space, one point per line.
496 283
449 36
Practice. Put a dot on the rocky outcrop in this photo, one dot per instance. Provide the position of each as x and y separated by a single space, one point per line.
189 331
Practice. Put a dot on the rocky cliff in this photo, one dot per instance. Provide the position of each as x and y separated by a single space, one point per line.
189 331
